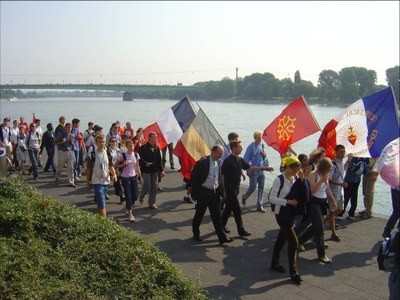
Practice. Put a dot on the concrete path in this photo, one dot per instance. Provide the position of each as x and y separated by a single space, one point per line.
240 270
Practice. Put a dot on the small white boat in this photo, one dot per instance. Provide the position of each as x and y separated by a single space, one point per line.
13 99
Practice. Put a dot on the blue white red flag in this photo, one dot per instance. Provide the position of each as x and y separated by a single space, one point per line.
196 143
388 164
365 127
172 123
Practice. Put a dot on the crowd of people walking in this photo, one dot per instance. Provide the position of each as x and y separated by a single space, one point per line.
310 190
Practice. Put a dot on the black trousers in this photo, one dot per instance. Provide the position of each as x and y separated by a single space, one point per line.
395 216
232 204
286 232
316 229
208 198
351 193
50 159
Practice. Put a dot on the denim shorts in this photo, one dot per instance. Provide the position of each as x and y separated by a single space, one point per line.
100 192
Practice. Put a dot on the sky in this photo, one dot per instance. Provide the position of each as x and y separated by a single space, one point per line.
187 42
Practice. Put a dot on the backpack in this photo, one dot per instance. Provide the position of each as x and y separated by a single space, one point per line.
359 168
92 157
124 159
388 253
279 191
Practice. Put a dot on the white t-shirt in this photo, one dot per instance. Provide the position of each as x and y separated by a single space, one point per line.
14 133
87 137
101 168
34 140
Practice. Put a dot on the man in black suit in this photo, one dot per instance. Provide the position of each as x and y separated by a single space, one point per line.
207 190
48 143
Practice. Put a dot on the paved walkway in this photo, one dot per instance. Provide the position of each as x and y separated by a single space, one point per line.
240 270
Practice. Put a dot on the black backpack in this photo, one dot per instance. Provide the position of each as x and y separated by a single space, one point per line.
388 253
279 191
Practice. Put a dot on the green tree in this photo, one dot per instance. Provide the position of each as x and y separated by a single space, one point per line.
259 85
348 85
287 88
356 82
297 77
328 85
366 80
304 88
392 79
227 88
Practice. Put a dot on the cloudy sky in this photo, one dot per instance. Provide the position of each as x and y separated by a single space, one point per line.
169 42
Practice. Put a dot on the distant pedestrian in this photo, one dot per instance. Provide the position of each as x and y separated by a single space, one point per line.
170 148
336 184
255 155
150 165
66 157
368 187
33 144
22 149
99 173
130 176
357 166
48 143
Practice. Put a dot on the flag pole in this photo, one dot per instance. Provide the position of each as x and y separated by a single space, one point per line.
312 114
191 104
211 123
395 104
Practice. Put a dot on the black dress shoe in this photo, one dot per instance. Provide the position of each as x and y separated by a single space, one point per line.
245 233
227 240
197 238
296 278
278 268
226 230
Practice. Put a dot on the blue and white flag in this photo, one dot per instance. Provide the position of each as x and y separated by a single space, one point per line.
365 127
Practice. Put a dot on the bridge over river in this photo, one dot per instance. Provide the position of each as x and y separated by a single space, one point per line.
128 89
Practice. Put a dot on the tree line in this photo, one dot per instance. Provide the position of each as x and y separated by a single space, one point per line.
345 86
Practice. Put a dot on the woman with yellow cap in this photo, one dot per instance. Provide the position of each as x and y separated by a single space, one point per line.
286 197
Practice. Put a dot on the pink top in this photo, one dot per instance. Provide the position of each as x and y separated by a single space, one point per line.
130 169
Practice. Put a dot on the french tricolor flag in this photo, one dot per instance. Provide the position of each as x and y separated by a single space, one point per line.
196 143
172 123
365 127
388 164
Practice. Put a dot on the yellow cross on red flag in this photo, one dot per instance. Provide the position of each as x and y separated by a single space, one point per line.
294 123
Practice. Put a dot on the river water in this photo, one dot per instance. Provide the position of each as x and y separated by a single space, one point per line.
243 118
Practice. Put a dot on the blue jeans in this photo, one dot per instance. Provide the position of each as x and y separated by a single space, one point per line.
131 190
256 179
100 192
33 156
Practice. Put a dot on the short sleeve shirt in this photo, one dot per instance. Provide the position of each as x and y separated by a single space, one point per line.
232 170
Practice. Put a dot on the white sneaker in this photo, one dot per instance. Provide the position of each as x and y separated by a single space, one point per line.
131 218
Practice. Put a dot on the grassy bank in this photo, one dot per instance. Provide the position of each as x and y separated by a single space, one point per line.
52 250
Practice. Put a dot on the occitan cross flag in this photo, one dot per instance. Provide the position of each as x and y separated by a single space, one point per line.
294 123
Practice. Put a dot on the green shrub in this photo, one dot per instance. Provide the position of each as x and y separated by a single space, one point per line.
52 250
